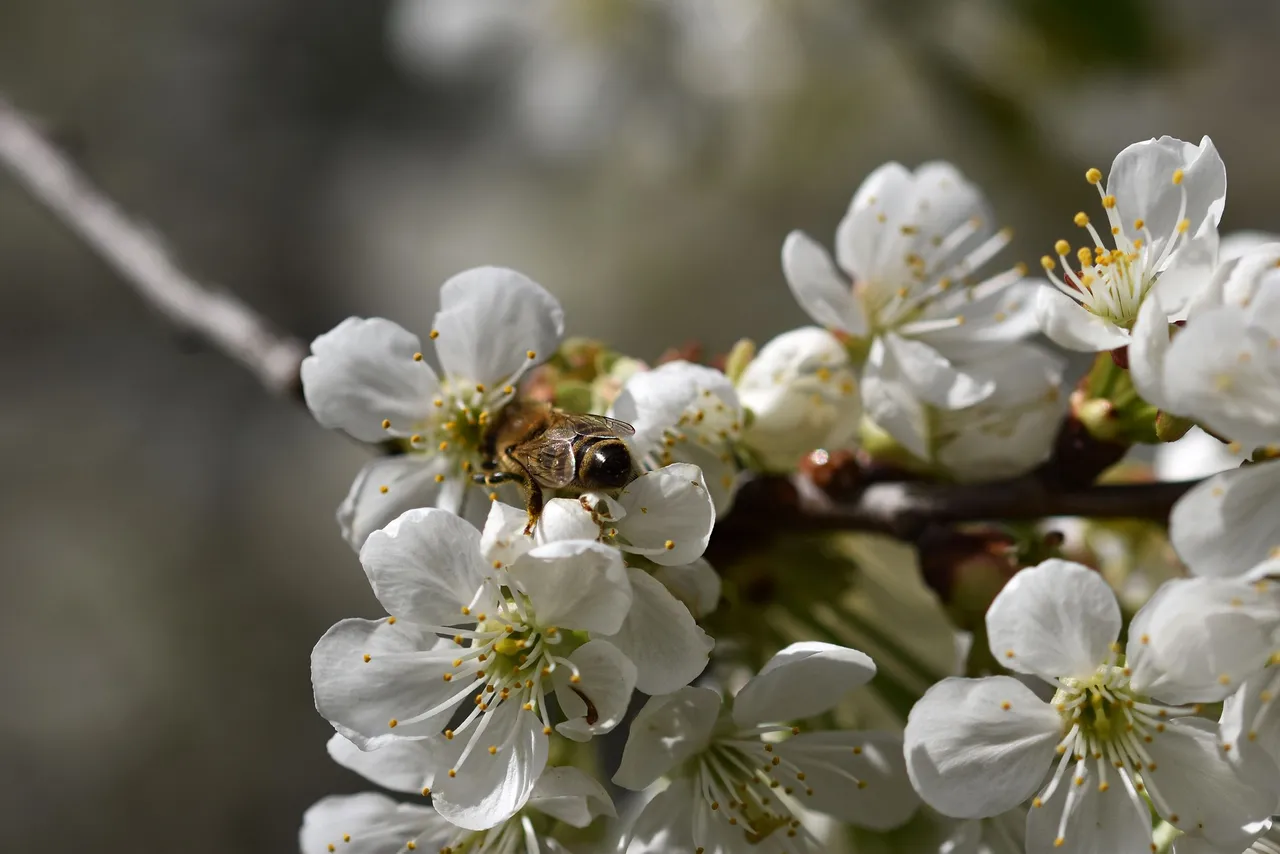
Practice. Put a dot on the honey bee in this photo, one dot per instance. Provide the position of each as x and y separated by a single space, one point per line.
541 447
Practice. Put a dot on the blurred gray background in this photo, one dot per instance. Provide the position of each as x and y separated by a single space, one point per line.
168 554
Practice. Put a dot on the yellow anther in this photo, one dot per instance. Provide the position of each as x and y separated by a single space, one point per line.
1084 256
386 424
1059 842
448 677
1062 247
480 387
531 354
466 611
1081 219
438 402
415 439
383 489
1047 262
1006 705
444 446
506 389
1115 230
411 845
453 772
1139 223
435 333
493 750
1183 226
391 621
417 357
448 734
439 478
1177 176
546 730
367 658
426 790
392 723
1093 175
669 545
1108 202
346 837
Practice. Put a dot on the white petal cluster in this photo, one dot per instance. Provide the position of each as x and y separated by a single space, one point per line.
1162 202
370 379
738 774
904 295
1118 731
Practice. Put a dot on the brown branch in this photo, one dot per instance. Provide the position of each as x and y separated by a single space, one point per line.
133 251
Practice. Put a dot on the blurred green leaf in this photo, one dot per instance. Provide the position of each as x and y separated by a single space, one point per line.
1101 34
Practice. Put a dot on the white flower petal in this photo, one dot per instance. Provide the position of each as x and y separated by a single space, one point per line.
1251 718
425 566
695 584
891 404
931 377
1193 781
802 391
856 777
575 584
878 209
669 729
1187 276
660 636
490 319
1055 619
1141 179
502 538
1068 324
978 747
665 824
669 515
403 765
1097 822
1195 456
821 290
565 519
1198 639
596 703
1227 375
800 681
363 372
490 788
374 824
409 481
655 401
572 796
401 679
1228 524
1148 347
720 473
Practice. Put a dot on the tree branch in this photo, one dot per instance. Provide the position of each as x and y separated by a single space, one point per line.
134 252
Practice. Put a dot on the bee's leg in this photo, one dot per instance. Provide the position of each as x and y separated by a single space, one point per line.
533 503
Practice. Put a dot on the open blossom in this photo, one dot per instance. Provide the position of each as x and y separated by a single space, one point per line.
1223 368
904 293
802 391
664 516
1003 435
369 378
371 823
1228 524
1162 203
736 778
1107 740
480 637
687 413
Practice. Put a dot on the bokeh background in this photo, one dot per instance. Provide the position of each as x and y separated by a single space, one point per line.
167 548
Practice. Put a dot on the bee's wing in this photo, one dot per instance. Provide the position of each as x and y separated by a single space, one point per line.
577 424
548 459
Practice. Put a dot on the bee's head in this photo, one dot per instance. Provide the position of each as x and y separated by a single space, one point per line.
606 465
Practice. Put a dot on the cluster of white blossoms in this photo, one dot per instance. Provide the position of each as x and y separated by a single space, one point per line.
519 629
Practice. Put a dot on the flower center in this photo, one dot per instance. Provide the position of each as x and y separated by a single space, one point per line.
1111 283
751 785
1107 724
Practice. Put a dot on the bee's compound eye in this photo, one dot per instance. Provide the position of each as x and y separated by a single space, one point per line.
608 465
